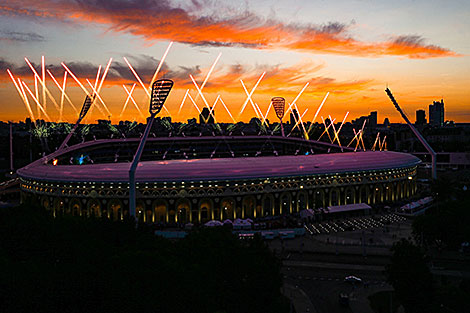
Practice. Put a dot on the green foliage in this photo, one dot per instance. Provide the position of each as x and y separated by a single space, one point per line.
71 264
410 277
446 224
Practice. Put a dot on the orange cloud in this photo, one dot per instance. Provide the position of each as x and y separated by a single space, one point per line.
157 20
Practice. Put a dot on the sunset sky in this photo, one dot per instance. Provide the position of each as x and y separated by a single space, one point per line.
352 49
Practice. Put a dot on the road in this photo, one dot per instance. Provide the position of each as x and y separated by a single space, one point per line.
323 282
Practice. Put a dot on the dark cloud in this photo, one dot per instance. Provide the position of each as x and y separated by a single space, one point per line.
20 36
410 40
208 23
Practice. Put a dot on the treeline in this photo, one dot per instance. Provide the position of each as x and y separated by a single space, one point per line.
70 264
416 288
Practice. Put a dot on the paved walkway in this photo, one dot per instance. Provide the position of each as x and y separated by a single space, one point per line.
299 299
336 266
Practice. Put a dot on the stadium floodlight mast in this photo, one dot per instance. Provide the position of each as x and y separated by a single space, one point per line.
160 91
85 108
279 105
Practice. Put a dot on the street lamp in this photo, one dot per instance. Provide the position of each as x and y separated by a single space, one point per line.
279 105
160 90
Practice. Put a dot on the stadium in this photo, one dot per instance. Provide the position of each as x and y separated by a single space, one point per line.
196 179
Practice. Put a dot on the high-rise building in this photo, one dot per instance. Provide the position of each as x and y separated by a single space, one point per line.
294 117
373 119
420 117
206 117
436 113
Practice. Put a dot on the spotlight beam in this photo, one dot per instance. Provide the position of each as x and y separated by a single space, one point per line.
63 90
97 77
296 98
326 129
127 100
105 73
375 142
298 121
43 82
147 92
267 112
336 134
129 93
76 80
36 89
209 73
194 103
362 132
203 99
182 102
302 122
64 83
45 90
99 97
36 100
249 99
215 103
251 93
318 111
354 138
22 96
228 111
160 65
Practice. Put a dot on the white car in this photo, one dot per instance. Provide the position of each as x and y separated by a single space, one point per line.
352 279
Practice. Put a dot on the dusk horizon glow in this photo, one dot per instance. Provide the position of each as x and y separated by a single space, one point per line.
226 48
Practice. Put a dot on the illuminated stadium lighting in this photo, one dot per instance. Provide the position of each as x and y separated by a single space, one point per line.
279 104
160 91
141 83
87 104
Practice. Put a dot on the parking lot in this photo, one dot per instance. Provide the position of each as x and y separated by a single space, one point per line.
352 224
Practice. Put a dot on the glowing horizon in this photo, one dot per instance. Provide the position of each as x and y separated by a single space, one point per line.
224 57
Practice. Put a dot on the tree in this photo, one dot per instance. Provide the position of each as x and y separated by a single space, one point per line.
410 277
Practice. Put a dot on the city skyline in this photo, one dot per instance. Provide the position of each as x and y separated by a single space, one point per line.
339 49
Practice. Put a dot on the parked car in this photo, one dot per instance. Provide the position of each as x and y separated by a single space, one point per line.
352 279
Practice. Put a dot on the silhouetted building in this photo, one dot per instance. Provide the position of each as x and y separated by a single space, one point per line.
436 113
294 117
373 119
206 117
386 122
420 117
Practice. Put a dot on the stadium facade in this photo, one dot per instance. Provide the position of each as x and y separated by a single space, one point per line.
195 179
